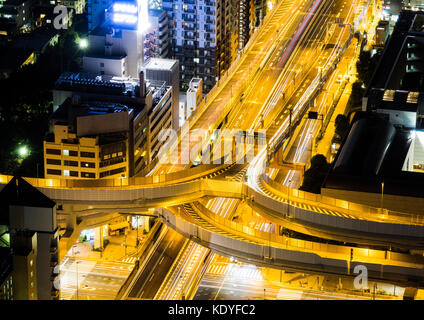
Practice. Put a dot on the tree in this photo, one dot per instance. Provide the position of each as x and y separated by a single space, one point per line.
341 125
315 175
355 99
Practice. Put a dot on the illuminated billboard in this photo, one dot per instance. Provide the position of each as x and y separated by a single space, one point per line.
125 13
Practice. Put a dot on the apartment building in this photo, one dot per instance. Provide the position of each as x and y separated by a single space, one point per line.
156 39
207 36
77 5
33 251
105 127
16 13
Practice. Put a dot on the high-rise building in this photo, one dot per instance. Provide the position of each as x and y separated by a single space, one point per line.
30 218
96 12
206 36
167 70
116 46
105 127
156 38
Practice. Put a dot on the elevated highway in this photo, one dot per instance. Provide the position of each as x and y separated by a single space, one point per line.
89 203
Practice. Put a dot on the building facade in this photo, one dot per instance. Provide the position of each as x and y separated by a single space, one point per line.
105 127
30 218
206 36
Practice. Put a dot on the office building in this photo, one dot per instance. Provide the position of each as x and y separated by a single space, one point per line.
167 70
105 127
384 150
34 238
115 47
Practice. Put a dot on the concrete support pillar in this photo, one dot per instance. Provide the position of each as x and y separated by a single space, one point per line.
147 223
98 238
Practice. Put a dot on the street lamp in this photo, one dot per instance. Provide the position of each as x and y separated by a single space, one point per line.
83 43
382 195
23 151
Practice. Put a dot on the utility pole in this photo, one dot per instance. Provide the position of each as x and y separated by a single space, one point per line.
382 195
138 225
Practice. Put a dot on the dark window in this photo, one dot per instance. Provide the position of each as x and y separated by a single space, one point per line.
112 172
88 164
70 163
88 175
73 153
54 161
52 171
87 154
73 173
53 151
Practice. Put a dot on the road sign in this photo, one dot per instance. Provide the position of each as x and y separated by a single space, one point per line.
312 115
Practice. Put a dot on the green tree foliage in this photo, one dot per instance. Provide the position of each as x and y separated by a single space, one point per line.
366 65
315 175
355 100
26 103
341 125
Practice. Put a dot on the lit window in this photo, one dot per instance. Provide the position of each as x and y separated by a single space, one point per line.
66 173
30 262
66 152
196 60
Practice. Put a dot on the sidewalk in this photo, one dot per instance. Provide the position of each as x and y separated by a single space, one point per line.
324 145
113 251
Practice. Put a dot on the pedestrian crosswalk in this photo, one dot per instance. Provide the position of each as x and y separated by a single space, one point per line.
242 272
131 260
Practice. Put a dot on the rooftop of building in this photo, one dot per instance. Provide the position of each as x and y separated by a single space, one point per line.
87 82
37 40
107 86
19 192
409 101
160 64
402 64
70 110
375 151
14 2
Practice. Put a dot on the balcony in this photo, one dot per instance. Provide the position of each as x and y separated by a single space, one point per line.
189 19
188 28
190 35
